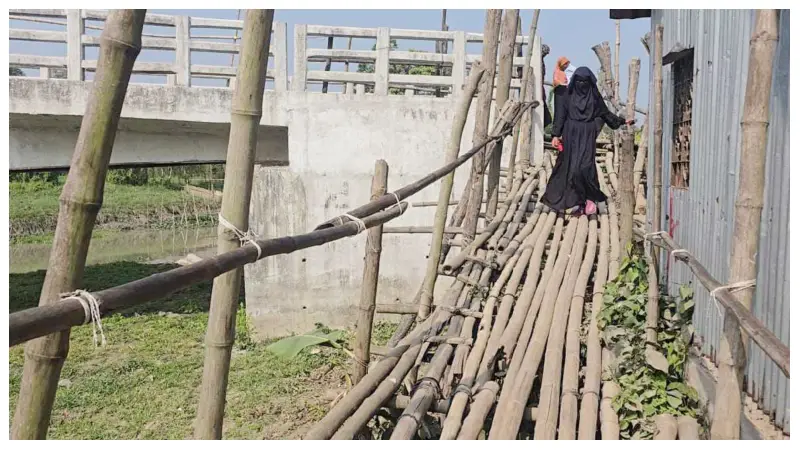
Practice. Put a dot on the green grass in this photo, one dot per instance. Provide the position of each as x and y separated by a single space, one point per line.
33 208
144 384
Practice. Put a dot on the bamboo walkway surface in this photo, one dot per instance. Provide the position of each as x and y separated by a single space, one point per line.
499 356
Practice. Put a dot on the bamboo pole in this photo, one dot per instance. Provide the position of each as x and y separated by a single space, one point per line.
667 427
508 414
627 198
120 43
590 400
387 387
688 429
765 339
609 422
525 93
369 284
491 230
529 303
658 129
58 316
446 188
427 388
550 391
505 66
455 413
516 350
484 399
616 63
732 354
246 108
568 419
391 366
491 32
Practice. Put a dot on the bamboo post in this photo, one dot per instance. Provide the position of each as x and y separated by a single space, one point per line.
246 110
369 285
524 95
491 32
446 188
667 427
747 220
120 43
505 66
627 198
658 129
616 63
688 429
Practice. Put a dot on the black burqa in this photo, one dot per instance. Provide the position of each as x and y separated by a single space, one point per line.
578 123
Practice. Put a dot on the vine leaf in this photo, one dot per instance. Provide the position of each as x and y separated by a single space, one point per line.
656 360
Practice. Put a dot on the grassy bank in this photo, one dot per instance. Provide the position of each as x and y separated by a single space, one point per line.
33 208
144 384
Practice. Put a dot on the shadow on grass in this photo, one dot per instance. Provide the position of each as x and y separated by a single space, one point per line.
24 288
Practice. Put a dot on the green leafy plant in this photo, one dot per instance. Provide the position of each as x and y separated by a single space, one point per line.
646 389
291 346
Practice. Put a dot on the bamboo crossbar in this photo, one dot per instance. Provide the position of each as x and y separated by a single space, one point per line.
765 339
43 320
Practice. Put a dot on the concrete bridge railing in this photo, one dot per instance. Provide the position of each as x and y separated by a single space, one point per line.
181 40
189 37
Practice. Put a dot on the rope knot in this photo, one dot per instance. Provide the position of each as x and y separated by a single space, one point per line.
244 237
91 312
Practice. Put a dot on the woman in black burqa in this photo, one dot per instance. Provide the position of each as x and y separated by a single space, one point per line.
574 179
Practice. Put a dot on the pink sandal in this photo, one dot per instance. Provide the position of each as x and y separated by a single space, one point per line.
590 208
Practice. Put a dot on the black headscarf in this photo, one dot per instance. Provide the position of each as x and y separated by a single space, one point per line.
585 101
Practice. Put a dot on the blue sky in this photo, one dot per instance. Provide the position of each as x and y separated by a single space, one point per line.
568 32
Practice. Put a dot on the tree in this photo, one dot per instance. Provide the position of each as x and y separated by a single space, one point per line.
15 72
403 69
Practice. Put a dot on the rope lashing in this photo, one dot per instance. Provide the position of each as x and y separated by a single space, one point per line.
91 312
731 288
244 238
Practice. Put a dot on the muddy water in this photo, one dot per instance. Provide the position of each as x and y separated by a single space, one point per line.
156 246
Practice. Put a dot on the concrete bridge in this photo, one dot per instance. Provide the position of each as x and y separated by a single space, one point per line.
316 151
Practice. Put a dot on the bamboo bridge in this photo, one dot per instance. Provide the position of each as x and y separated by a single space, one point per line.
496 354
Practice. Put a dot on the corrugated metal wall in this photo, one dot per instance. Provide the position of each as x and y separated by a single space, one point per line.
701 217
